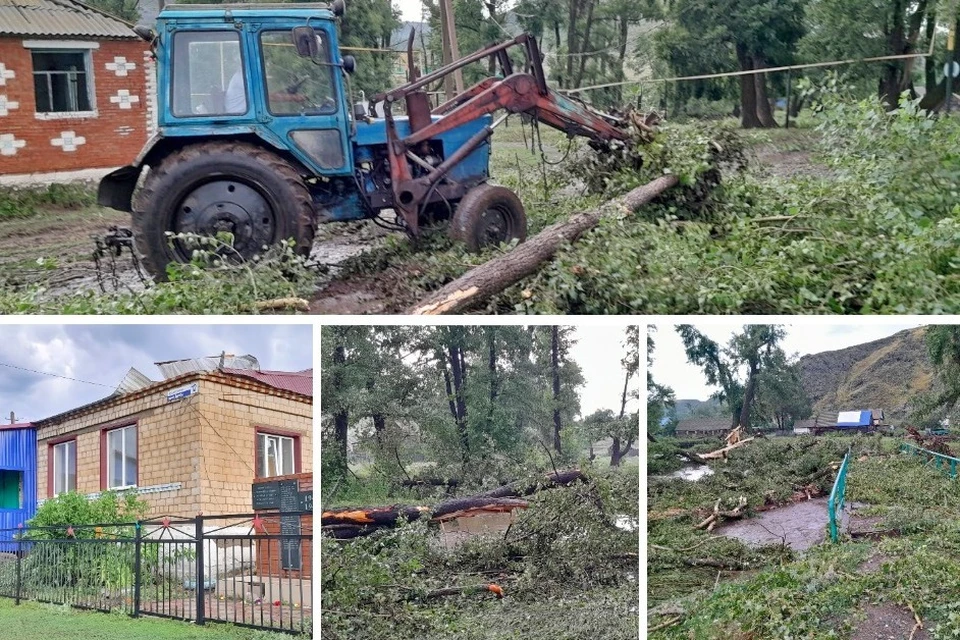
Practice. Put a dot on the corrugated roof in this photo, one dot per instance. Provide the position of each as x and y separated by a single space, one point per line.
59 18
295 381
18 425
174 368
133 381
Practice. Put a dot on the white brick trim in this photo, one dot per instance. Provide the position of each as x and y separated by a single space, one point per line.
60 44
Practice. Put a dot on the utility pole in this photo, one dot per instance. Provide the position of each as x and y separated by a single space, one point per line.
453 83
13 418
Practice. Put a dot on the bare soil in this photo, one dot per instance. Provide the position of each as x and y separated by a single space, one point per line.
887 621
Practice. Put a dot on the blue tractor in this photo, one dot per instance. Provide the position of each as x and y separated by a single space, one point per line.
258 143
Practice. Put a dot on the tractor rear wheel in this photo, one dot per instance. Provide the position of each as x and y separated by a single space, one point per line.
240 193
489 215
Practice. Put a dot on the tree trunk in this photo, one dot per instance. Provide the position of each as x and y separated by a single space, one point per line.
616 453
555 368
341 418
496 275
585 44
455 355
748 91
573 14
764 110
748 394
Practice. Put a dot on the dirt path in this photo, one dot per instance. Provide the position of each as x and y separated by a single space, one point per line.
886 621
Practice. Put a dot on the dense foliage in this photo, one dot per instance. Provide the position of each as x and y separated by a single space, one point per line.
874 233
566 569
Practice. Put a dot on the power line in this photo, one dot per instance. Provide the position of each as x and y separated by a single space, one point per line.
55 375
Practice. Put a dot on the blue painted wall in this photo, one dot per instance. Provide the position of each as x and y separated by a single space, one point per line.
18 452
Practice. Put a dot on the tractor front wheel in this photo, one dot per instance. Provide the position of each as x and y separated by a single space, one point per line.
245 197
489 215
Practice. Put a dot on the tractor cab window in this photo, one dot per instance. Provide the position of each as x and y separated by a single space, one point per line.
297 85
208 74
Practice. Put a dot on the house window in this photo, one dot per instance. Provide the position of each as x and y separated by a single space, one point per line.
276 455
11 489
64 467
121 452
62 81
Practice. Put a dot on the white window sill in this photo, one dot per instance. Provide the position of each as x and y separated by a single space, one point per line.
67 115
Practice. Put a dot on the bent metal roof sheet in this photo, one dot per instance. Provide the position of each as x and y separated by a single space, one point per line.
59 18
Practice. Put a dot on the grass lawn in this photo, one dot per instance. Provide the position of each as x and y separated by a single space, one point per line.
32 621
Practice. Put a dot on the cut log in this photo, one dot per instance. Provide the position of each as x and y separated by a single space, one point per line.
496 275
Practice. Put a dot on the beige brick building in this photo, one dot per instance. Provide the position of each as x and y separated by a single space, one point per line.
189 444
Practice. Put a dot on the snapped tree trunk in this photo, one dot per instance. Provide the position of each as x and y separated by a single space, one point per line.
748 394
496 275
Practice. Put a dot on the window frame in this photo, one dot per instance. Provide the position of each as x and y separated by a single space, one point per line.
51 466
268 432
105 456
327 47
36 47
173 55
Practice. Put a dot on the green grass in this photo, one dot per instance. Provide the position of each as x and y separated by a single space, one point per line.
32 621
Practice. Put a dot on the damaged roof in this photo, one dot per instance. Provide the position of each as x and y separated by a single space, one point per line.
296 381
60 18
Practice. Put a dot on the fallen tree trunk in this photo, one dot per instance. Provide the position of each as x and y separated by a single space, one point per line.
371 516
722 453
496 275
558 479
352 522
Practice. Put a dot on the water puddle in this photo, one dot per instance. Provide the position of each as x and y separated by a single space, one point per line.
692 472
799 526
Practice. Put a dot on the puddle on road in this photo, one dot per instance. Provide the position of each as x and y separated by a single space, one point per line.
800 526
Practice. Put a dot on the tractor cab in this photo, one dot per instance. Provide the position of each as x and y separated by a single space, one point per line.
239 70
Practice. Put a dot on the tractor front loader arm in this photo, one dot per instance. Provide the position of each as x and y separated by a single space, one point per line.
516 92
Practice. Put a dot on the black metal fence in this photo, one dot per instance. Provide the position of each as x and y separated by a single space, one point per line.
247 570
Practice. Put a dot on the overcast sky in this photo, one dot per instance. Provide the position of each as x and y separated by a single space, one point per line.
411 9
104 353
598 352
670 366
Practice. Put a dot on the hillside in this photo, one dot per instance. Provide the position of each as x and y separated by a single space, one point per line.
883 374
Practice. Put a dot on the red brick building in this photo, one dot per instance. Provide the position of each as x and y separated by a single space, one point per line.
76 88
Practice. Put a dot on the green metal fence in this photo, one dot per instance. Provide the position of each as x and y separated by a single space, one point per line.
835 502
942 461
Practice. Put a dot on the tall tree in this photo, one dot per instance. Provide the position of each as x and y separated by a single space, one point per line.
756 348
760 33
844 29
631 365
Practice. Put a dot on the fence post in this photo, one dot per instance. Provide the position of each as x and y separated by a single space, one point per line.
19 563
137 568
199 570
789 82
